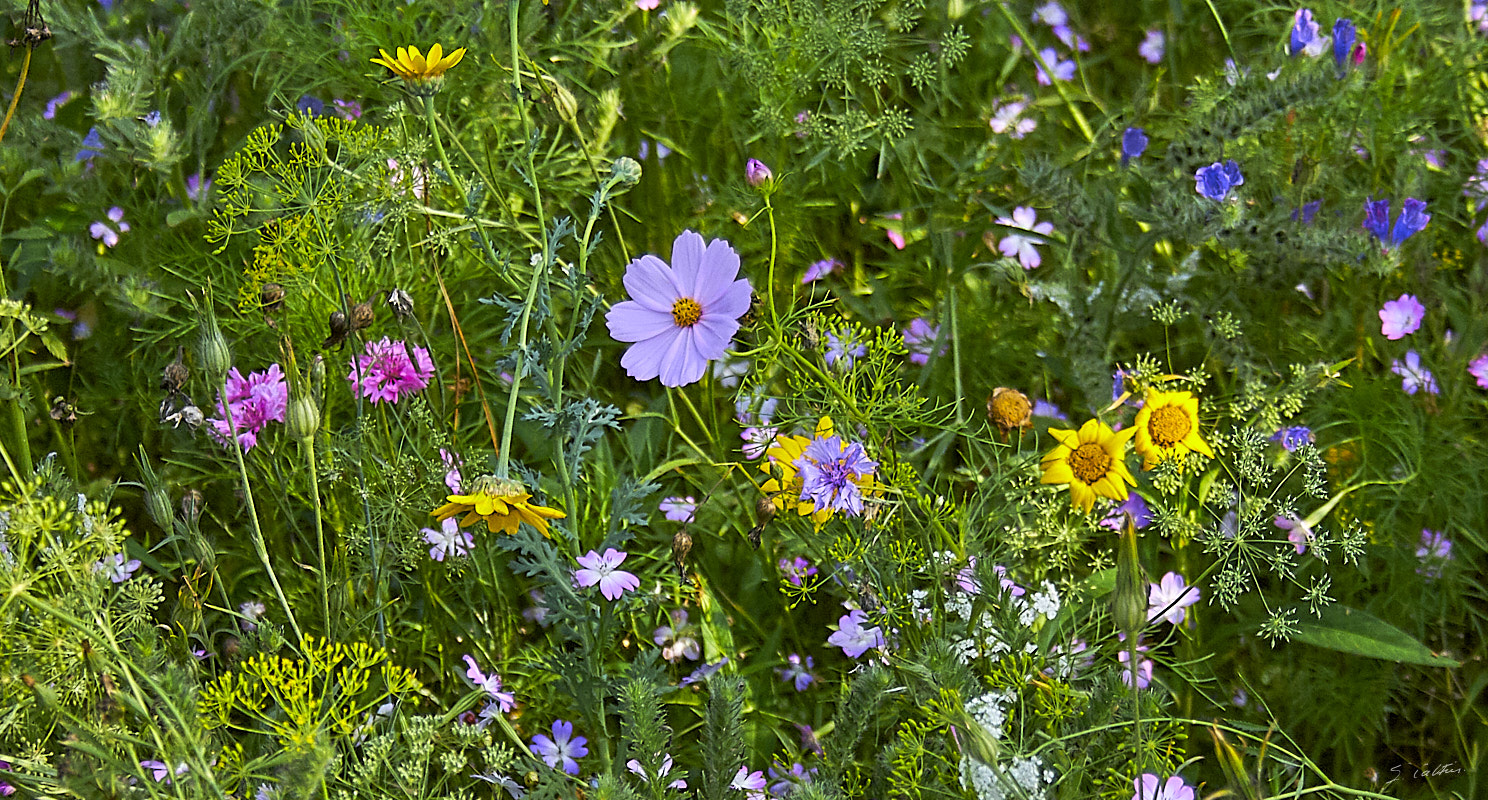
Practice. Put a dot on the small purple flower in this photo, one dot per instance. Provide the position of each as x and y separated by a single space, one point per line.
1304 34
348 109
561 750
1483 233
310 105
92 146
797 671
745 409
678 640
1133 144
1169 598
162 772
1046 409
756 172
1144 665
1476 187
1307 212
448 540
1063 70
452 477
1402 317
1343 41
490 684
1435 551
853 638
704 672
662 151
787 781
196 188
1153 47
757 440
1135 506
1051 14
1293 437
1216 180
1412 220
749 782
605 571
1023 246
820 269
844 350
117 569
1007 584
538 611
1478 368
796 570
680 316
390 370
634 765
729 370
679 509
1414 377
1151 787
1299 533
832 472
6 790
1008 118
920 338
56 103
102 231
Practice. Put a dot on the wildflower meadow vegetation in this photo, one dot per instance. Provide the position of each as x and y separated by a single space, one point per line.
742 399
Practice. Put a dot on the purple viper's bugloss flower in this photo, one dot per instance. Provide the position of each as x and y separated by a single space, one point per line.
1304 33
1133 144
1216 180
1412 220
1343 42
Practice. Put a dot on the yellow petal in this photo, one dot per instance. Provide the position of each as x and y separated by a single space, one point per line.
1070 439
1058 472
1091 430
1082 495
1196 444
435 54
454 58
824 428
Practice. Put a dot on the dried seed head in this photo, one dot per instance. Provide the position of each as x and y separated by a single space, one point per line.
401 303
272 297
191 506
764 510
339 329
1009 409
361 316
63 411
681 546
176 374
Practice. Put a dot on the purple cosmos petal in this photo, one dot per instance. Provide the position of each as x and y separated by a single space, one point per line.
688 260
648 280
732 301
643 361
629 321
682 364
715 278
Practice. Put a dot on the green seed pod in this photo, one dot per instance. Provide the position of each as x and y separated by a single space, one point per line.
212 349
303 419
1129 600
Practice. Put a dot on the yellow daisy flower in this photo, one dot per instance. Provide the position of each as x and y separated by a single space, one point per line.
1091 461
1167 426
421 74
503 504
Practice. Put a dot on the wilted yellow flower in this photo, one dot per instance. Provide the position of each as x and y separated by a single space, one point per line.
421 74
1091 461
1009 409
1167 426
502 503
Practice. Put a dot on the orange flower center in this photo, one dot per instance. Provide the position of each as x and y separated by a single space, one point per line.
1168 425
686 312
1090 462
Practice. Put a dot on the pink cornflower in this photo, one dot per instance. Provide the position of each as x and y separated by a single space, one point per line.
1024 246
680 317
256 400
605 571
387 372
1402 317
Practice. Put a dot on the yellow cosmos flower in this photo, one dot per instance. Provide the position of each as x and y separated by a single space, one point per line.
1167 426
1091 461
503 504
416 70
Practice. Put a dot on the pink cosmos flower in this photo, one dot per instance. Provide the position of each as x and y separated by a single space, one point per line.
682 316
103 232
1151 787
387 372
1168 599
605 571
1023 246
1402 317
256 401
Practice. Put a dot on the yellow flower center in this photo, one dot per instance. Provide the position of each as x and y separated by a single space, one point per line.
1090 462
1009 409
1168 425
686 312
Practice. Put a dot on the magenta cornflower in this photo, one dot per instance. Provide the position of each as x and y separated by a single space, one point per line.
256 400
682 316
390 370
448 540
1169 598
490 684
561 751
1402 317
853 638
605 571
920 338
833 473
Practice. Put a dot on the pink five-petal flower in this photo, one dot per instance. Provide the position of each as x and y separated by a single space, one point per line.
1168 599
1402 317
1478 368
490 684
1151 787
682 316
853 638
605 571
1022 246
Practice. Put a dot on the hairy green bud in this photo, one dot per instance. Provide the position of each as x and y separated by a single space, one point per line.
627 171
1129 600
303 418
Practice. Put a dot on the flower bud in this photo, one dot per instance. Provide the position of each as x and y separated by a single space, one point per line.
211 348
563 100
340 327
681 546
303 418
756 173
626 170
1129 599
158 505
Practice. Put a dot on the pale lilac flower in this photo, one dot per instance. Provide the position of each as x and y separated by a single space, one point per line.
1414 377
448 540
749 782
844 349
196 188
1478 368
1008 118
162 772
452 477
681 316
647 5
347 109
704 672
605 571
490 684
1240 698
411 182
1063 70
1135 506
1153 47
920 338
679 509
1144 665
1299 533
662 151
832 472
1478 15
1402 317
104 232
538 611
1483 232
757 440
1151 787
797 671
1007 584
561 750
746 414
252 611
796 570
1476 187
390 370
56 103
678 640
256 400
1024 246
787 781
756 172
1435 551
820 269
1051 14
1305 39
516 790
1046 409
1169 599
635 766
117 569
853 638
894 231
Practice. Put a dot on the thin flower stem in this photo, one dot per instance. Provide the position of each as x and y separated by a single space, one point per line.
325 590
955 355
770 279
14 101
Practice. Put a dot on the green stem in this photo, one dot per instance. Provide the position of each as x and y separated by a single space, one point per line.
325 589
770 279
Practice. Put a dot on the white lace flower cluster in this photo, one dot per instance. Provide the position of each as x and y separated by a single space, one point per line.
1022 778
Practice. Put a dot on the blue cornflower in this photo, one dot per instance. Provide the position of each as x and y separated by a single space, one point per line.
1412 220
92 144
1293 437
1304 31
1133 144
832 473
1343 42
1216 180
